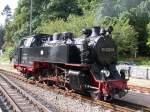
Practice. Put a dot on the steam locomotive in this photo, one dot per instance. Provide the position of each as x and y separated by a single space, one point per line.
85 65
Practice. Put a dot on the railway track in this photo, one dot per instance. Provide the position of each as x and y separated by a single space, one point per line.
16 99
116 106
3 105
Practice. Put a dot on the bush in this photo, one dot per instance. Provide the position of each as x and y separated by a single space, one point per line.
74 24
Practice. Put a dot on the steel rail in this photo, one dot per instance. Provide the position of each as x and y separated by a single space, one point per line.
16 107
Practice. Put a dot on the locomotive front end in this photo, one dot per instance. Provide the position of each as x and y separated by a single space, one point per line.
103 67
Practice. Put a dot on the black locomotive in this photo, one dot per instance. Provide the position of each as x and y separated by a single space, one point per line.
86 64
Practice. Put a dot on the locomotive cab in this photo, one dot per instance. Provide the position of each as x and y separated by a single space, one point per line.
24 49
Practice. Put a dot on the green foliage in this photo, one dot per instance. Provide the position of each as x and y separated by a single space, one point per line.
1 36
7 12
140 17
5 57
42 11
8 36
138 13
124 34
61 8
125 37
148 34
88 4
114 8
8 27
74 24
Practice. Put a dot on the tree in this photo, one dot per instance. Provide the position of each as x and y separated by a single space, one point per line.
6 32
124 34
125 37
8 42
43 11
60 9
138 15
148 35
139 18
1 36
7 12
89 5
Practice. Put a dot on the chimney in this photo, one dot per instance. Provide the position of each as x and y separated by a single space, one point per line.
95 31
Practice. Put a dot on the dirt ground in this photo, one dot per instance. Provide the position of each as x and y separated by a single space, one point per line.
139 82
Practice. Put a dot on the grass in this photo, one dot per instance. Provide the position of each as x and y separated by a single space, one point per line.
4 58
143 61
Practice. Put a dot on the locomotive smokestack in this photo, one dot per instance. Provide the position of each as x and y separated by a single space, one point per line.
109 30
95 31
57 36
87 32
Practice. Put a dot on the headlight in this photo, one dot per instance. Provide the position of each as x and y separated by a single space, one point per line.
105 72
